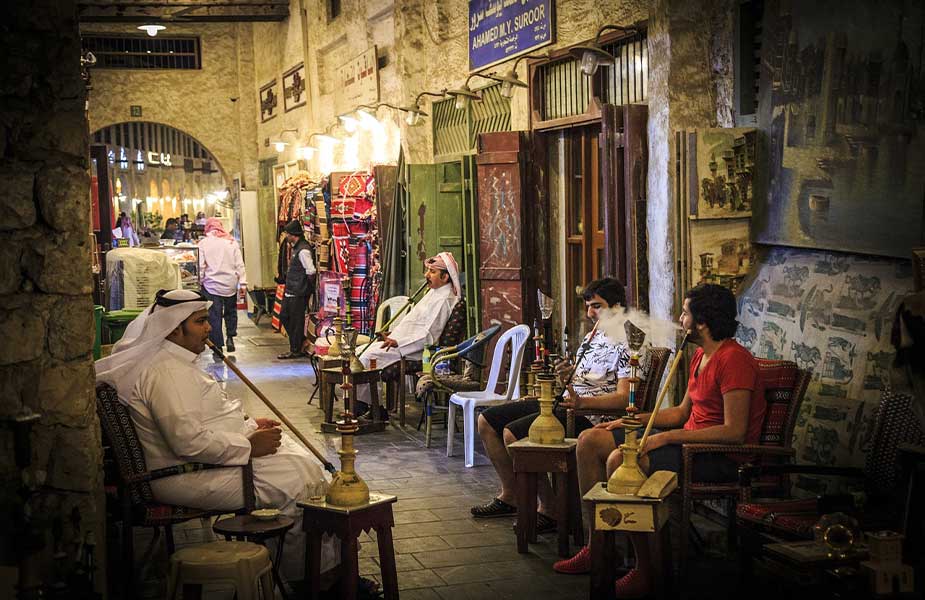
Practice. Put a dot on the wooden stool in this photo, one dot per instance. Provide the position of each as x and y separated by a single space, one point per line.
629 514
530 460
251 529
347 523
244 565
333 377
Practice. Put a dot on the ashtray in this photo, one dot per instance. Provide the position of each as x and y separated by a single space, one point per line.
265 514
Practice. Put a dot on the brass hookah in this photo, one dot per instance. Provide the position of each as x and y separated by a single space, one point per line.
629 477
546 428
347 487
335 348
349 352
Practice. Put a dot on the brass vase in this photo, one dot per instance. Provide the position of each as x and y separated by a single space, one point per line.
546 428
347 487
350 345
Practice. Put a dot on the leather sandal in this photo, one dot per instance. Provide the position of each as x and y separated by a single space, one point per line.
494 509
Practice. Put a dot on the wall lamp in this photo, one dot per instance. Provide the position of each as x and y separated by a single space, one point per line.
591 56
509 80
464 95
413 113
151 30
279 144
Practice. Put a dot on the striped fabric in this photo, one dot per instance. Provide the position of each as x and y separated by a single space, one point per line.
780 379
277 308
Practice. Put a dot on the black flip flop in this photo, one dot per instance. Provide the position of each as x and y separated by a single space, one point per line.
495 508
544 524
289 355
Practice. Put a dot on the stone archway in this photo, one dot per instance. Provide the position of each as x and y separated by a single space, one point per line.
157 171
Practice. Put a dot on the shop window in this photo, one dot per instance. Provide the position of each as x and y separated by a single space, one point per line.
747 61
115 51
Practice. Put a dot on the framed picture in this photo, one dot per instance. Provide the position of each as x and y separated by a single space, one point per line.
268 101
294 87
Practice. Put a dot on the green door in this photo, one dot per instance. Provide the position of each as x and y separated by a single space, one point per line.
441 208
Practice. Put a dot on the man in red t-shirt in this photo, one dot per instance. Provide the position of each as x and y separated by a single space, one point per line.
724 404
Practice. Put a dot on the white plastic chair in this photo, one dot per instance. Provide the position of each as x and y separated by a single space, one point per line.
468 401
391 305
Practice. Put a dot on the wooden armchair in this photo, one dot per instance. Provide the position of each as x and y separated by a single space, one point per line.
784 387
646 390
130 481
454 332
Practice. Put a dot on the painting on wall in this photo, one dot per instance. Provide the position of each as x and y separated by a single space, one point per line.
294 87
832 314
842 99
722 169
720 252
268 101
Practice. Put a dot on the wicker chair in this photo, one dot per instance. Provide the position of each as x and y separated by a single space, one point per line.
131 481
646 390
453 333
784 387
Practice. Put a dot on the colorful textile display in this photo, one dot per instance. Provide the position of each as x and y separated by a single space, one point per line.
277 308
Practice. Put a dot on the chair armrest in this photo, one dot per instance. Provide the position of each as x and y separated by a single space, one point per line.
691 449
247 477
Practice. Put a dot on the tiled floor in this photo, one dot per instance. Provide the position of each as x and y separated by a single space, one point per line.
441 552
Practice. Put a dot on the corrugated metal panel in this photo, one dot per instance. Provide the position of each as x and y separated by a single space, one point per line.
491 115
450 128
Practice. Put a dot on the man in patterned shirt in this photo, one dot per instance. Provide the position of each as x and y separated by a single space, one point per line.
601 381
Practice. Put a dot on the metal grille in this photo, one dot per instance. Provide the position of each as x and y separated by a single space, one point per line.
456 131
490 115
566 92
143 52
627 81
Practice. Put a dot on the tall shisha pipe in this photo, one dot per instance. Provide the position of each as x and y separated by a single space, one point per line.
581 355
385 327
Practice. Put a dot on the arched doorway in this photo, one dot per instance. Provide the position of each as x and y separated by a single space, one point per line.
153 172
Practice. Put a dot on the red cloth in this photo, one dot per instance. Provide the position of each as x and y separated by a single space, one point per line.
731 367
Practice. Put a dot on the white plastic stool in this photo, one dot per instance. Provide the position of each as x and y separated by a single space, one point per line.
244 565
517 337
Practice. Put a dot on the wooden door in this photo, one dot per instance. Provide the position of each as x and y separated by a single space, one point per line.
584 219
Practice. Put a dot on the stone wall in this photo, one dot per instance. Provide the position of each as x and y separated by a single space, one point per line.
46 310
209 104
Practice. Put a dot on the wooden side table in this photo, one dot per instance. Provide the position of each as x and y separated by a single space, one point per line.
325 363
628 514
319 517
530 460
333 377
247 528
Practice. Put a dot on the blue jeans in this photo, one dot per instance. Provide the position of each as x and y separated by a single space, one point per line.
223 308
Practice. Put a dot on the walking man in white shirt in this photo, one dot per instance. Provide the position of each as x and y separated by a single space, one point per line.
221 268
300 284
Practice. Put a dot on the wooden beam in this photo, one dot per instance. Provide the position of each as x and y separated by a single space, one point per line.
178 11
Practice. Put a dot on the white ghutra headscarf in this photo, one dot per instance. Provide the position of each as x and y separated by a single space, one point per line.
144 336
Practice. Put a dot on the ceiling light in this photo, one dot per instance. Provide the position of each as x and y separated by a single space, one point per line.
151 29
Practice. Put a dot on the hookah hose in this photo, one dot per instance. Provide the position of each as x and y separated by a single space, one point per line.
581 355
411 300
325 462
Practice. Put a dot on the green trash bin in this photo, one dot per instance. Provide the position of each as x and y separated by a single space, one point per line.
98 323
115 322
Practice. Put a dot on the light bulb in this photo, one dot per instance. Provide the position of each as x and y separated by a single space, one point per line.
589 63
411 117
462 102
306 152
507 89
280 146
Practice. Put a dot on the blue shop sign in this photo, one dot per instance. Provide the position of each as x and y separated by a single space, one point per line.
502 29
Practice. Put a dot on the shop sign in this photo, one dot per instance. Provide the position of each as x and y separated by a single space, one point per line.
136 110
502 29
358 80
159 159
139 160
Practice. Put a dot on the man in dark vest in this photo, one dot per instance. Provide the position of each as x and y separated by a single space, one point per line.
300 283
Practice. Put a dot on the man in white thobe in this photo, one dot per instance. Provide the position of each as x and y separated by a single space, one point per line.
182 415
422 325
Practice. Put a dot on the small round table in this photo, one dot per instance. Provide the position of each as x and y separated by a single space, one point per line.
252 529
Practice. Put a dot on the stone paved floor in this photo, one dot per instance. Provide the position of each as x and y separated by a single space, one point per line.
441 552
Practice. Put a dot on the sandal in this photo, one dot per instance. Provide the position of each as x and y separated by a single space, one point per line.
289 355
495 508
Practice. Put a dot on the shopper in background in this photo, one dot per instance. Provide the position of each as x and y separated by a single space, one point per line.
171 230
128 231
300 283
221 269
200 218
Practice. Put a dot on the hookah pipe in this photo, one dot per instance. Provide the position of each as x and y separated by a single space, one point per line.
581 354
661 394
385 327
327 464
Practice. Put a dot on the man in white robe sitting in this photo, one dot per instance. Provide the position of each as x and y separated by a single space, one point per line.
183 415
421 326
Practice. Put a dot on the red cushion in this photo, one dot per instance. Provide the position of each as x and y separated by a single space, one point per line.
795 517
